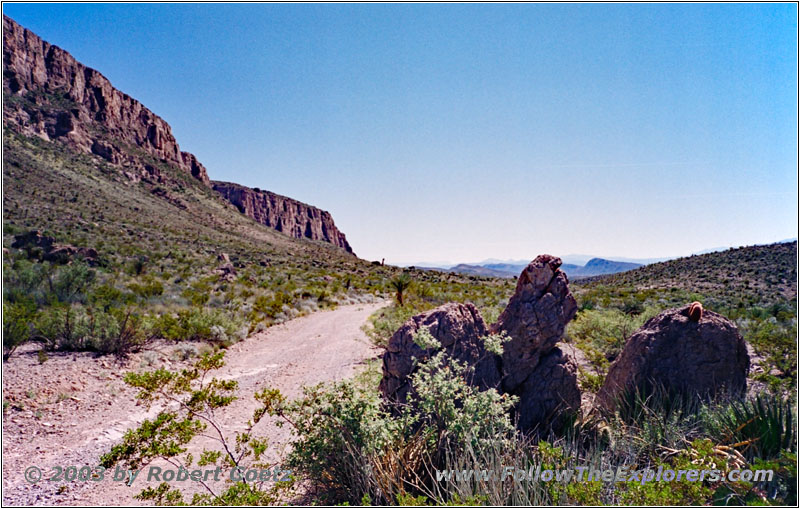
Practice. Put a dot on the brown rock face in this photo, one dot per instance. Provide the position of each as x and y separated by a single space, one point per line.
535 318
549 392
543 376
703 358
49 94
284 214
458 327
55 97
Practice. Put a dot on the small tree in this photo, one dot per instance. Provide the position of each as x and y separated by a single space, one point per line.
400 285
192 401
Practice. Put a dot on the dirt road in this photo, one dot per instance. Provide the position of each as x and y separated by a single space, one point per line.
71 408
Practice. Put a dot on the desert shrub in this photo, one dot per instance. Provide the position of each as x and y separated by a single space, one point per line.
70 282
23 280
165 437
18 320
64 327
777 343
196 324
453 411
384 322
137 266
351 446
332 424
147 289
118 332
75 327
605 330
106 296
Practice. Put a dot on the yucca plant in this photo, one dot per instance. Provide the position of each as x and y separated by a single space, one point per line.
761 427
400 285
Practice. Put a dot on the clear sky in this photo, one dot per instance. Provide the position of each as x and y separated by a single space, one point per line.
463 132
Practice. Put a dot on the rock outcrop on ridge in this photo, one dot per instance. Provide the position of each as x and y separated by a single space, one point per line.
284 214
48 94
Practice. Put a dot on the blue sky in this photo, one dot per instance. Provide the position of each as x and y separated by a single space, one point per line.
461 132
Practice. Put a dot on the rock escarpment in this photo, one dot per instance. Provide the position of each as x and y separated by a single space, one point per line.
49 94
699 358
284 214
542 375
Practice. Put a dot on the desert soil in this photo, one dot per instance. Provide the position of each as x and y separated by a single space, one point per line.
73 407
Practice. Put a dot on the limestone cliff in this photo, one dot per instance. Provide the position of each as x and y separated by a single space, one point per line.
284 214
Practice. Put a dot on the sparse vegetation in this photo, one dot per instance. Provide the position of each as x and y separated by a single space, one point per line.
160 279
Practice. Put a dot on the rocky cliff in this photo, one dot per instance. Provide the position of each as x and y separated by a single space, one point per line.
49 94
286 215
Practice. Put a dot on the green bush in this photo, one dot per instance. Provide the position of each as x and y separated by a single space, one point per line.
196 324
64 327
18 320
70 282
351 447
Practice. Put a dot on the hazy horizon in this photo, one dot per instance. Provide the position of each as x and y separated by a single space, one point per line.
463 132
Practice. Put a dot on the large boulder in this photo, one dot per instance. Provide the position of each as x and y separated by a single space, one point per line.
534 318
542 376
702 358
549 393
459 328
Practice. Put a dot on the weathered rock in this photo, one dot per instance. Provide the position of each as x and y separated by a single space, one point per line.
535 318
549 393
458 327
542 376
286 215
226 271
33 238
76 105
703 359
44 247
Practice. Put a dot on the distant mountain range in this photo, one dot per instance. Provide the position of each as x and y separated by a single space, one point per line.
593 267
575 265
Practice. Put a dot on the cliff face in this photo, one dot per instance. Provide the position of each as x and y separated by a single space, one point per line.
49 94
283 214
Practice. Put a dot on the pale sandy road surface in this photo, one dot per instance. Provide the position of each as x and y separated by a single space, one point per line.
72 408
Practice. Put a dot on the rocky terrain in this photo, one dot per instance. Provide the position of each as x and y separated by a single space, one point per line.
699 354
286 215
755 275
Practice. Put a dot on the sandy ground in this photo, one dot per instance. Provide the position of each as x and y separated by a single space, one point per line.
72 408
